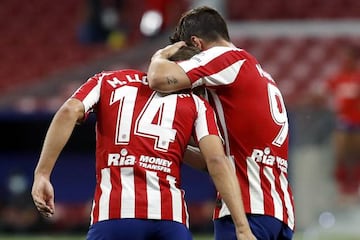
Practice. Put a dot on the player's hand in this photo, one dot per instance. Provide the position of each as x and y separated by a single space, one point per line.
245 234
169 50
43 196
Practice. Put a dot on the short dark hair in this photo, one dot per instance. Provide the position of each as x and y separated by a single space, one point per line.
203 22
184 53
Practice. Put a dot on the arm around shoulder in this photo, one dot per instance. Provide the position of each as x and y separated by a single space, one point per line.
165 75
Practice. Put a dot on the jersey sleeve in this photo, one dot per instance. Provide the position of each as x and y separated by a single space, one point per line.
89 92
214 67
205 123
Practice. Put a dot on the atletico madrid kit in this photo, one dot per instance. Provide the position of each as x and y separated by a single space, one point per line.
141 136
253 120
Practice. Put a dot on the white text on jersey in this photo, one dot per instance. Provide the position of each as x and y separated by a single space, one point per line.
264 157
148 162
114 82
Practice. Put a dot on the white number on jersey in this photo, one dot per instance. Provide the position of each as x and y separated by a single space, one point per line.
277 108
155 120
278 113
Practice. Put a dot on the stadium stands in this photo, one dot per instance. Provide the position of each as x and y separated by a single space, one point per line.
41 37
289 10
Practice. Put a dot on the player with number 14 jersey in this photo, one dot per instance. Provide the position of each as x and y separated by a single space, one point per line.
138 168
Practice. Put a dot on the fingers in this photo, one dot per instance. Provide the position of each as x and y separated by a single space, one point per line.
171 49
43 196
179 44
176 46
46 210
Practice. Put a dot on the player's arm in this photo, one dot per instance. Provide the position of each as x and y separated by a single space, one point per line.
193 158
59 132
165 75
226 183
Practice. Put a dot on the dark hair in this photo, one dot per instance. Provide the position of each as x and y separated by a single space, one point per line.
184 53
203 22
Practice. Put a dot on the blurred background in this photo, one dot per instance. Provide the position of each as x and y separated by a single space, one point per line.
49 48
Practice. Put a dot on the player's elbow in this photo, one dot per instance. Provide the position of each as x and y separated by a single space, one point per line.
215 161
72 109
218 167
155 81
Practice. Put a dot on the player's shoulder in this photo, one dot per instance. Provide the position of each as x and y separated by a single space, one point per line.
123 72
123 75
225 52
223 49
186 94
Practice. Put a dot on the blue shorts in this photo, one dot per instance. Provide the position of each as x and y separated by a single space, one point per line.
138 229
263 227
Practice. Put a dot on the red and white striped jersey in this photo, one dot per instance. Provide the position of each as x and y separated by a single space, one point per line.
141 137
253 119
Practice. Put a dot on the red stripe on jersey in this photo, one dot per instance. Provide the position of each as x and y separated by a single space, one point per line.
210 114
281 193
115 194
141 201
166 206
215 65
84 90
266 187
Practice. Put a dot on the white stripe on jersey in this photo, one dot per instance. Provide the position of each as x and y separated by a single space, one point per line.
176 199
93 96
224 211
278 209
104 201
284 187
221 116
226 76
201 130
153 195
206 57
127 192
255 190
92 213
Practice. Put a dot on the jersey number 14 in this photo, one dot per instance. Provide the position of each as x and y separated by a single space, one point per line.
154 121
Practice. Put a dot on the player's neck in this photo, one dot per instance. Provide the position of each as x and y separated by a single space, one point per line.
220 43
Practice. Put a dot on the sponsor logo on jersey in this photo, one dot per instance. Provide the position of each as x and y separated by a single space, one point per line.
155 163
121 159
148 162
264 157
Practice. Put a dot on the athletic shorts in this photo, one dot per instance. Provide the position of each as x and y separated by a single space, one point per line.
262 226
138 229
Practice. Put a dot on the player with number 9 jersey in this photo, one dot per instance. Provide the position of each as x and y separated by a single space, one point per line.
254 123
141 137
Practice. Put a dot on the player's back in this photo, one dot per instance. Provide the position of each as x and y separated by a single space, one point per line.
255 127
141 138
131 115
254 124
